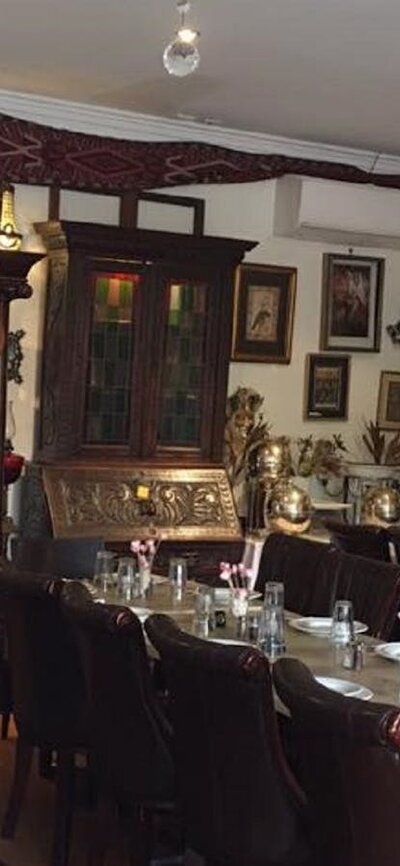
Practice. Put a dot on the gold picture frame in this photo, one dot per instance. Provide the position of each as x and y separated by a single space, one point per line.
388 413
352 292
327 387
264 313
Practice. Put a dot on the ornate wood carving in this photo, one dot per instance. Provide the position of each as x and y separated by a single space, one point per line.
52 371
103 502
14 269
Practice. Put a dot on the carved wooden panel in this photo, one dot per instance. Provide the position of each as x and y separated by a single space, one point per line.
107 502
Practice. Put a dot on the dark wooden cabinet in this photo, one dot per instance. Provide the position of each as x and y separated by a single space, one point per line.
136 350
136 344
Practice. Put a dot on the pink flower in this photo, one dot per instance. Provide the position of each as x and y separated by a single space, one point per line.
144 549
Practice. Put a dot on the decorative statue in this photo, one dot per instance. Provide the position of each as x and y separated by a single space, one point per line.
322 457
244 431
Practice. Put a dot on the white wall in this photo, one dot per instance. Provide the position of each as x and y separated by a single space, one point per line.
240 211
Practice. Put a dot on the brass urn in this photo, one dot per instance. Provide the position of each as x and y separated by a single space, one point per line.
288 509
270 460
381 506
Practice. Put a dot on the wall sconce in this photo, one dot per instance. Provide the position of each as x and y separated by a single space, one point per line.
10 238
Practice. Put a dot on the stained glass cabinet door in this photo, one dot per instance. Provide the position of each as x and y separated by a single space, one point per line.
107 416
184 362
136 344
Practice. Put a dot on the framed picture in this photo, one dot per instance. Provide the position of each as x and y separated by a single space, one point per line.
388 415
263 313
327 386
351 303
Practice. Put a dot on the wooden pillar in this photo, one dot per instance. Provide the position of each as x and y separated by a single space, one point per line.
14 269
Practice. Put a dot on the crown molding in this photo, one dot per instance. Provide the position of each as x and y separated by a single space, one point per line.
98 120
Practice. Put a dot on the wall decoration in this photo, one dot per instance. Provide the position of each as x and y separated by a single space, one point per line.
264 311
394 333
96 163
327 386
381 450
14 356
388 415
351 303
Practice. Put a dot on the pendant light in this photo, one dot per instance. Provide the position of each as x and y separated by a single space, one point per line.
181 57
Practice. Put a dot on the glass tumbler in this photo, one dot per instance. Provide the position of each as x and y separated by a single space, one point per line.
342 627
203 611
274 594
103 578
271 638
177 573
126 578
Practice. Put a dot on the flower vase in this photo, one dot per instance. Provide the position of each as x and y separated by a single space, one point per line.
145 578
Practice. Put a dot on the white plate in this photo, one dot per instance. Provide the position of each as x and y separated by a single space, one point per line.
320 626
228 641
345 687
141 612
389 651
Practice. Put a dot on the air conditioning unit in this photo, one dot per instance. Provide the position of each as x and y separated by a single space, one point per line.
335 212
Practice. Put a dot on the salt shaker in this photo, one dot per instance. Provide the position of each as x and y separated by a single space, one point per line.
354 655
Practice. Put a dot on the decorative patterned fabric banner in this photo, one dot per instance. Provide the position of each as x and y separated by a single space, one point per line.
35 154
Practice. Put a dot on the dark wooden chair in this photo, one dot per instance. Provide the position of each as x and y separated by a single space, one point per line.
61 557
393 535
241 805
349 759
361 540
307 570
48 694
130 738
374 589
5 697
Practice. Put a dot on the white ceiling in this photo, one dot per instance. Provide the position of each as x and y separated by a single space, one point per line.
320 70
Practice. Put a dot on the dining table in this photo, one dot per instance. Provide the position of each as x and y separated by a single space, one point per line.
380 675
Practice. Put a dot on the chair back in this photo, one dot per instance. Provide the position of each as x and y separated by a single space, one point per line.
365 540
63 557
47 682
393 534
349 762
374 589
130 738
307 569
240 802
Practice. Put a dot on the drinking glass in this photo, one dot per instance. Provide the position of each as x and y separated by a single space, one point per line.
342 628
271 637
104 571
126 578
274 594
203 611
177 573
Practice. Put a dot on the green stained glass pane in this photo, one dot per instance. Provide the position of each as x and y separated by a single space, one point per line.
108 383
102 290
183 370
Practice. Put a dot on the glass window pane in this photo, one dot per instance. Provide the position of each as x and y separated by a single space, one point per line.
108 384
183 365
